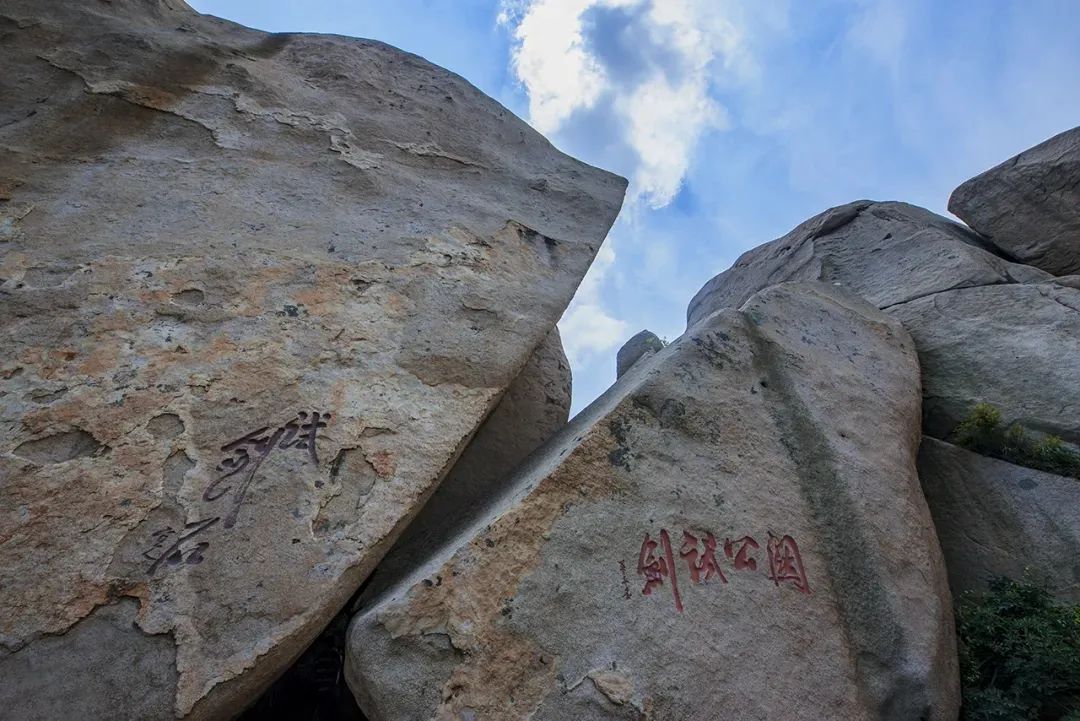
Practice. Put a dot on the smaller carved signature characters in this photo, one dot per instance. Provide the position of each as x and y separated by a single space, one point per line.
176 553
656 561
237 469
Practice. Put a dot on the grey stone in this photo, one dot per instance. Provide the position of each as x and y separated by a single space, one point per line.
765 422
887 252
535 407
997 519
1069 281
1016 347
206 232
1029 206
643 343
41 679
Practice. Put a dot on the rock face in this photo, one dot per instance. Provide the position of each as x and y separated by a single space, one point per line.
987 330
998 519
1029 206
1016 347
643 343
258 291
723 529
888 253
536 406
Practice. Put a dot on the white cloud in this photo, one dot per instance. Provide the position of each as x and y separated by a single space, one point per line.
665 123
587 329
551 60
646 69
629 85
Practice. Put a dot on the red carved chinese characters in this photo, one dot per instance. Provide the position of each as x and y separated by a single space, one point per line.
785 562
738 550
656 569
656 563
702 564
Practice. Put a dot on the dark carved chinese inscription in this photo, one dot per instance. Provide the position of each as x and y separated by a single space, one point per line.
237 470
180 551
247 453
656 562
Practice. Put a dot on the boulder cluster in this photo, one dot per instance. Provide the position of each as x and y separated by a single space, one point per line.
281 381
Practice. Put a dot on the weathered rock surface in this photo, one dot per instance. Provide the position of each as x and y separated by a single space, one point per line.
1016 347
643 343
997 519
886 252
257 292
987 330
1029 206
766 422
535 407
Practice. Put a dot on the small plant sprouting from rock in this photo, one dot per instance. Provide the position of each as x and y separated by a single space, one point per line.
983 433
1019 654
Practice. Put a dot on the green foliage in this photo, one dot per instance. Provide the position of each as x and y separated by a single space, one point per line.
1019 654
1053 455
982 432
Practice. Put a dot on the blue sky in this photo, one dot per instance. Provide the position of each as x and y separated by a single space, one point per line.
734 120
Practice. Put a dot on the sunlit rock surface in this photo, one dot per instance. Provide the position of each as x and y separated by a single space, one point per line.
1029 206
257 292
734 529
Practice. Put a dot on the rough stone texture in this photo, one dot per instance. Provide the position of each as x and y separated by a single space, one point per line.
1014 346
205 231
768 420
986 329
1029 206
535 407
886 252
997 519
645 342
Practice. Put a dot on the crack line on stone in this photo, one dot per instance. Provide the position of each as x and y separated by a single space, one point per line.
1004 281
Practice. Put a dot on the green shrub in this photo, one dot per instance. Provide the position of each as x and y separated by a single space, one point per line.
1019 654
981 432
1052 454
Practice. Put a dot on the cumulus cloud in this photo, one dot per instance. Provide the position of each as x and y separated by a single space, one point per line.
641 73
629 85
587 328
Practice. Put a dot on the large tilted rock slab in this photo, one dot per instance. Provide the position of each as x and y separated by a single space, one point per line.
755 441
1016 347
986 329
886 252
998 519
535 407
257 292
1029 206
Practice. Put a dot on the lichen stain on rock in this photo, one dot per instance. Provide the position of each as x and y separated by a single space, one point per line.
174 470
59 447
165 426
189 296
498 664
